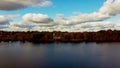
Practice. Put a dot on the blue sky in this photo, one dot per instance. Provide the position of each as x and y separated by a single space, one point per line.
65 7
59 15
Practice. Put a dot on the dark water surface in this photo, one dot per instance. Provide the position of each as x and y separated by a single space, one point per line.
62 55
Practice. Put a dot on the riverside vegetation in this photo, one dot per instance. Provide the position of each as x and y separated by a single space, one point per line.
57 36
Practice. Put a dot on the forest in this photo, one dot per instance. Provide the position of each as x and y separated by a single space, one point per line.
57 36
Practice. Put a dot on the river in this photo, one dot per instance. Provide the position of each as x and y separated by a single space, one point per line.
59 55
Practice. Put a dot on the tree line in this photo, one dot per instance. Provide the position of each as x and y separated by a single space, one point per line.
57 36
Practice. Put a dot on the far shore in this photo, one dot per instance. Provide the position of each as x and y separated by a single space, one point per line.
64 37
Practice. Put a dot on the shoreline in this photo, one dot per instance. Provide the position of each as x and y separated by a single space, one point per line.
62 37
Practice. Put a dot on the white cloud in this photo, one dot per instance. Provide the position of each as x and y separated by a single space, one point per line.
76 13
31 21
43 4
18 4
16 29
95 26
23 24
47 25
5 20
37 18
88 26
93 21
83 18
82 22
109 9
59 16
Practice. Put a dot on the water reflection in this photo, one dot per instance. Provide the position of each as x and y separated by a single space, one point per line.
62 55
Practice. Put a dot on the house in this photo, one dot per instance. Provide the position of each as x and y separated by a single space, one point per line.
56 37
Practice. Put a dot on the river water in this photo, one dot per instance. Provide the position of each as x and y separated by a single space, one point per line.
59 55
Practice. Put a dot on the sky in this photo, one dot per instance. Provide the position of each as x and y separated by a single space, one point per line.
59 15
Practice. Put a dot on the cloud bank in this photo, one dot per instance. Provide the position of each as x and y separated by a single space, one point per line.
109 9
19 4
78 22
32 21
